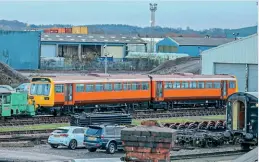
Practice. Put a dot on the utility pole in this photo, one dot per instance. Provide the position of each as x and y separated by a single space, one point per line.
153 8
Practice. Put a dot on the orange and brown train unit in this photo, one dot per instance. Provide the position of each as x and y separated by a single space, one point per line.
132 91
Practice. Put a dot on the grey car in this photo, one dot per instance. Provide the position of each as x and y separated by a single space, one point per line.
105 137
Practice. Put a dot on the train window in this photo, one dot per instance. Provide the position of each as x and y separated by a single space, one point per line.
209 85
200 84
59 88
144 86
98 87
177 85
134 86
193 85
138 86
232 84
168 85
79 87
117 86
89 88
216 84
127 86
108 87
185 84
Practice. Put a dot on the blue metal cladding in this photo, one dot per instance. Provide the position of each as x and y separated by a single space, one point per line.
20 49
191 50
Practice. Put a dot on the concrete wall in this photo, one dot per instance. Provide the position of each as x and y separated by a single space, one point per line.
20 49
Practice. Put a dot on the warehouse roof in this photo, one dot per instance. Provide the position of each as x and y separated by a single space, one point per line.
81 38
189 41
230 43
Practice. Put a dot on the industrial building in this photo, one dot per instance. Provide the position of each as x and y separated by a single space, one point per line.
149 43
189 45
81 47
20 49
238 58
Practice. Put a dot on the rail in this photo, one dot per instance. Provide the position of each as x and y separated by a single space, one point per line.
206 155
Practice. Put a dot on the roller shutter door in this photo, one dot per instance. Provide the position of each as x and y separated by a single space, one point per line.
252 78
115 51
48 50
238 70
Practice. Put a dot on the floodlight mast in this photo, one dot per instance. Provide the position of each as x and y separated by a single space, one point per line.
153 8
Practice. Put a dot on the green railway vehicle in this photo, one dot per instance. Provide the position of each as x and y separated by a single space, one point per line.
14 103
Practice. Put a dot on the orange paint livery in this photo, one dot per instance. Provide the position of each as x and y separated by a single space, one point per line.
102 89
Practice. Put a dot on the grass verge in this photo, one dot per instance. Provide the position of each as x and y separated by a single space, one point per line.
33 127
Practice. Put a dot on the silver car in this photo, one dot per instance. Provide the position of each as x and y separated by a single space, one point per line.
70 136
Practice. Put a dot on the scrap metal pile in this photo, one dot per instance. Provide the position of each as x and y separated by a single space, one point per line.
147 142
203 134
9 76
86 119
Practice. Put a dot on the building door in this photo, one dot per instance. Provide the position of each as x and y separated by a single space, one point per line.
69 94
252 78
238 70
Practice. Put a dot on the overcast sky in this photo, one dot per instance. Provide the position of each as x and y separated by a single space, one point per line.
195 14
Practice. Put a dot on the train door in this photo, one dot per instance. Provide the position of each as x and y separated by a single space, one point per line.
238 115
159 90
69 94
224 89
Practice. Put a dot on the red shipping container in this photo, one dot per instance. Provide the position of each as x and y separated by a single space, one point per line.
53 31
46 31
68 30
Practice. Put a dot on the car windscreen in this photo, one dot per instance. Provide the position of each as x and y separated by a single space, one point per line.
60 131
94 131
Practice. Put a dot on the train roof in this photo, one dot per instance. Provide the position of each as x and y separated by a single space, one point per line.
138 77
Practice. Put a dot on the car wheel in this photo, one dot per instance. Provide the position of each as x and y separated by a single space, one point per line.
54 146
72 144
111 148
92 149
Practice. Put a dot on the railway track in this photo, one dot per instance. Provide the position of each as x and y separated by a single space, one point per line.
208 155
146 114
33 120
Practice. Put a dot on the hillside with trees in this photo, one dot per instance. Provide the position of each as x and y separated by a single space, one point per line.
135 30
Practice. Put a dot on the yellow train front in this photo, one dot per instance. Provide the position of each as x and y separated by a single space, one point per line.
41 92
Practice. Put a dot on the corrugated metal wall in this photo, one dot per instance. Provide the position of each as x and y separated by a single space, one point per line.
240 51
20 49
238 70
239 58
48 50
114 51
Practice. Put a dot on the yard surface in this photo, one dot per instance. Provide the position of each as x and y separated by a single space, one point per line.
135 122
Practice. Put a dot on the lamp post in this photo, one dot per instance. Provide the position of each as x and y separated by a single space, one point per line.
105 60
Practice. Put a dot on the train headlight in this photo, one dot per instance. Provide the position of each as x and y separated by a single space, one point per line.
31 97
46 98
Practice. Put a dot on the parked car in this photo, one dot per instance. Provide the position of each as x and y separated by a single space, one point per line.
104 137
71 136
